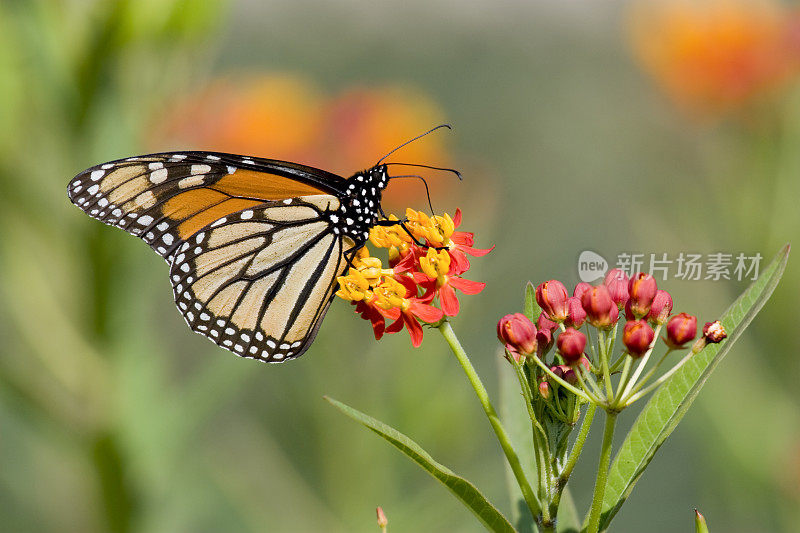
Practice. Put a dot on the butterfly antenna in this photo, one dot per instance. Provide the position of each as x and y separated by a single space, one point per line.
414 139
454 171
427 190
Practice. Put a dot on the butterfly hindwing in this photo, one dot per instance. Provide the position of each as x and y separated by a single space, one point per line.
166 198
259 281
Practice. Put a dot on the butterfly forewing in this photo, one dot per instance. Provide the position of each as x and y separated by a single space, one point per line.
254 245
258 282
166 198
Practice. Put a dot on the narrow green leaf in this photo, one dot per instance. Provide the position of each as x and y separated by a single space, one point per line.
531 309
462 489
671 401
518 425
700 525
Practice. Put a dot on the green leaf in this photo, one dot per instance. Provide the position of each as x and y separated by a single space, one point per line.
671 401
700 525
531 309
462 489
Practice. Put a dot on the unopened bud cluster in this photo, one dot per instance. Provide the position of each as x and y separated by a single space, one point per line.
566 321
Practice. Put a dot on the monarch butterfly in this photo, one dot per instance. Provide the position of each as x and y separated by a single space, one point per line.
254 245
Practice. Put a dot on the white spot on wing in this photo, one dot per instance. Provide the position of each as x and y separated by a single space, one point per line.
158 176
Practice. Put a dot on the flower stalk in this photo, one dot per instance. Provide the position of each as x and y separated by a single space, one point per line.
483 397
602 472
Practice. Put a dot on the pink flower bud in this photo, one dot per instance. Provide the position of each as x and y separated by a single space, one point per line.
544 390
576 315
617 282
661 308
714 332
552 298
580 288
571 344
382 521
584 362
681 328
601 311
642 289
637 336
518 334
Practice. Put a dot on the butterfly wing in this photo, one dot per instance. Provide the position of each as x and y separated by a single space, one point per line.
166 198
259 282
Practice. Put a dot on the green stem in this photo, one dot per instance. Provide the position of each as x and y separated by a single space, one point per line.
577 448
502 437
538 435
602 473
636 395
645 379
603 344
560 381
642 363
527 393
623 380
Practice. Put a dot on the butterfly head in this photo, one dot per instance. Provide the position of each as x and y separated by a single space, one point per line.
361 205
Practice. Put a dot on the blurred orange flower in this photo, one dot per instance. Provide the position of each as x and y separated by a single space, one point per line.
714 56
284 116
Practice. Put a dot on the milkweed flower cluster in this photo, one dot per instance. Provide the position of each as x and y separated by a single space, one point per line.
635 305
427 258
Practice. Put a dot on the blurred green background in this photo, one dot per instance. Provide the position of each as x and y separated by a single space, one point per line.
645 127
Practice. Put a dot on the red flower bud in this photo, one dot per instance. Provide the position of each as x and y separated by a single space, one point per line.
714 332
544 390
601 311
629 312
552 298
642 289
584 362
544 323
558 370
569 375
518 334
661 308
617 283
580 288
544 334
571 343
576 315
637 336
681 328
544 341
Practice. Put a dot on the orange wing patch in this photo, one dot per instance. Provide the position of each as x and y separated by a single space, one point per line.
166 198
253 184
206 216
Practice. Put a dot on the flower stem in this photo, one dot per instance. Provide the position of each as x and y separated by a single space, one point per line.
502 437
577 448
602 473
636 395
603 345
560 381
